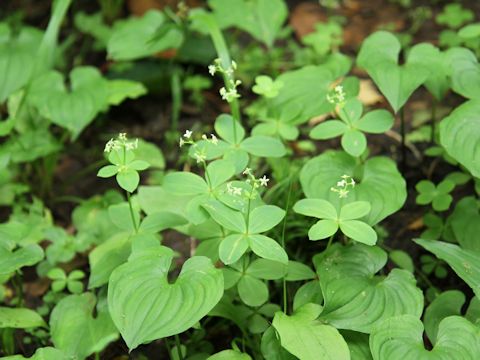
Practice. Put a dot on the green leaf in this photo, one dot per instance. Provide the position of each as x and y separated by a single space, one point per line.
354 210
136 38
328 130
359 231
150 153
229 129
307 338
252 291
119 90
263 19
379 56
375 122
459 134
271 347
121 216
318 208
138 165
73 109
464 72
107 171
227 217
229 355
220 171
400 337
232 248
159 221
20 318
354 298
267 248
323 229
24 256
141 287
267 269
402 260
444 305
75 331
264 146
378 182
466 264
184 183
298 271
264 218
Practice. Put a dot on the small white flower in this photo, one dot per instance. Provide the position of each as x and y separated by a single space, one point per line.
122 136
223 93
341 183
247 171
188 134
264 181
181 142
212 69
342 193
204 137
109 145
352 182
237 191
199 157
214 139
234 65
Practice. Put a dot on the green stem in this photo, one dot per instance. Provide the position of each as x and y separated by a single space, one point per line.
403 134
169 348
132 214
284 227
178 345
434 115
176 88
207 175
330 241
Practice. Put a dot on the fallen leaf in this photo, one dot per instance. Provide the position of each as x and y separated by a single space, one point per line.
368 93
304 17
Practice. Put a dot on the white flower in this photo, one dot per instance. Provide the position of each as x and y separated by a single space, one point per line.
212 69
199 157
341 183
234 65
122 136
188 134
352 182
247 171
204 137
214 139
342 193
237 191
182 142
264 181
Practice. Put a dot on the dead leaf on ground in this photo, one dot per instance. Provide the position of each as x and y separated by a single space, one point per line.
416 224
305 16
368 93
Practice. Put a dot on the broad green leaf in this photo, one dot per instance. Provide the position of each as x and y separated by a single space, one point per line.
75 331
232 248
375 122
107 171
267 269
328 130
227 217
150 153
465 223
378 182
308 339
46 353
298 271
159 221
309 292
444 305
359 231
354 298
465 263
264 218
323 229
219 171
379 56
119 90
271 347
72 109
402 260
357 344
464 72
20 318
229 355
156 198
459 134
145 306
354 210
318 208
184 183
263 19
14 260
121 216
400 337
252 291
267 248
264 146
229 129
136 38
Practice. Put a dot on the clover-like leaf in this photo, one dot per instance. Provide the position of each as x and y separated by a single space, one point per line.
378 182
141 287
307 338
401 337
356 299
438 195
454 16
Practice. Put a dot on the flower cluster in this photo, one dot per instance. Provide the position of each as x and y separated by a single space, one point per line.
217 67
199 155
232 93
120 142
343 186
337 96
228 92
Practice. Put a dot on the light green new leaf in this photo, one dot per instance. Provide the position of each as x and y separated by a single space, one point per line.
264 218
267 248
356 299
145 306
252 291
323 229
229 355
359 231
263 19
268 269
355 210
264 146
328 130
107 171
401 337
318 208
20 318
298 271
465 263
184 183
375 122
465 72
354 142
159 221
378 182
232 248
219 171
459 134
136 38
119 90
229 129
225 216
75 331
308 339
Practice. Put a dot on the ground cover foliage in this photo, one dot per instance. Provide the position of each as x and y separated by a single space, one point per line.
212 180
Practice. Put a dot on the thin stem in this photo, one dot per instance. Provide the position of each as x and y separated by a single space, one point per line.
284 227
207 175
434 116
247 220
178 346
176 88
169 348
330 241
135 225
403 134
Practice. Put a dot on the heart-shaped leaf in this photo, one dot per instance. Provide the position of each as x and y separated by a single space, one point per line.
378 182
401 337
75 331
465 72
72 109
379 56
356 299
145 307
459 134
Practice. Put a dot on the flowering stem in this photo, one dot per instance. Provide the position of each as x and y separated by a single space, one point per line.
207 176
247 220
402 131
284 227
135 225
